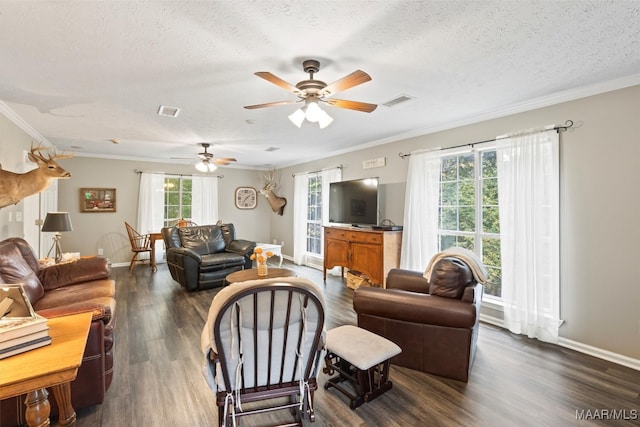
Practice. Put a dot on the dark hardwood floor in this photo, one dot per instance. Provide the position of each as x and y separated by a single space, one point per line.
515 381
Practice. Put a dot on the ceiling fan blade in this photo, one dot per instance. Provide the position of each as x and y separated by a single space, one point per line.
271 104
277 81
352 105
224 161
354 79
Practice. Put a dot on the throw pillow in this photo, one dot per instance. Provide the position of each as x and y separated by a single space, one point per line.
449 278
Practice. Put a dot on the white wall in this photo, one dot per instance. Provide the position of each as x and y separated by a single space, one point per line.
13 142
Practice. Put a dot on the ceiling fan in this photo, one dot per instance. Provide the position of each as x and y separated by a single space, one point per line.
207 163
313 91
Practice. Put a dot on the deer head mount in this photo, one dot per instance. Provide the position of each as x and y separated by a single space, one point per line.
268 190
16 186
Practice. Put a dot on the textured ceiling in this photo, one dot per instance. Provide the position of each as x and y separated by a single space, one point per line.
83 73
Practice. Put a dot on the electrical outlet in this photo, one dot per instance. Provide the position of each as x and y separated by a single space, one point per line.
275 241
100 252
282 243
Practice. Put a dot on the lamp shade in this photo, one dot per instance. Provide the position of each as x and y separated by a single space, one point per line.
57 221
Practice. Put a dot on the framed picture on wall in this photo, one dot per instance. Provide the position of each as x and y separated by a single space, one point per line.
97 200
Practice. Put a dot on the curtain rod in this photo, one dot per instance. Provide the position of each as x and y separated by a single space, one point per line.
138 171
567 125
321 170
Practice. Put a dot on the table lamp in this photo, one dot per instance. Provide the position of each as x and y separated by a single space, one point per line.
57 222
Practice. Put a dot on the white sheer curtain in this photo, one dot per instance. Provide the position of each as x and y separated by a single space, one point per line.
420 236
528 193
204 202
151 203
300 196
300 200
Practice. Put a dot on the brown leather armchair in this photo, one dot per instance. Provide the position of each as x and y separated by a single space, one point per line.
59 290
435 323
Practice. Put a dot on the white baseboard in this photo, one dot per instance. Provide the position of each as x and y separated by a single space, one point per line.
580 347
120 264
600 353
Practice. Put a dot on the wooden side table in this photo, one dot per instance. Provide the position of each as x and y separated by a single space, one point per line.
153 237
55 366
252 274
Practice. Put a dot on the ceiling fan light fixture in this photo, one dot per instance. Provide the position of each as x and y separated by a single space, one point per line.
324 120
297 117
313 111
201 166
205 166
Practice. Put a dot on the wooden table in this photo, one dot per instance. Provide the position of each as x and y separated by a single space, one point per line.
252 274
153 237
55 366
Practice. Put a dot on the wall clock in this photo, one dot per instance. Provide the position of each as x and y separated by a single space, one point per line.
246 198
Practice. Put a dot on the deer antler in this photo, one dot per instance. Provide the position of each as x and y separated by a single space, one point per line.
62 155
271 178
37 156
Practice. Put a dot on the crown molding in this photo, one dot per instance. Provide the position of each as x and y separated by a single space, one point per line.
521 107
14 118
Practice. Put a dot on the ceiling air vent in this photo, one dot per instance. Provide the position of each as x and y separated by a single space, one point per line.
272 149
398 100
168 111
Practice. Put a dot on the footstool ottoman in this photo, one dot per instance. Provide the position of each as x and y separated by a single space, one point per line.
361 359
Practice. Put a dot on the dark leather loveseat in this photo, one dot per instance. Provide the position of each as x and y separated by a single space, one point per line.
201 257
63 289
435 323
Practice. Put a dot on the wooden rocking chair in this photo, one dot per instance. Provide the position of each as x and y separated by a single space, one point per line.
264 339
139 243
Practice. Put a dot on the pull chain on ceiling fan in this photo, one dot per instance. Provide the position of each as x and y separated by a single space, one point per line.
313 91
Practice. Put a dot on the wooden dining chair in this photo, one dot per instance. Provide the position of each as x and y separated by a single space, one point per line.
139 243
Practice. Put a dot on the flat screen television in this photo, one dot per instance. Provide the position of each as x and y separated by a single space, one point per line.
354 202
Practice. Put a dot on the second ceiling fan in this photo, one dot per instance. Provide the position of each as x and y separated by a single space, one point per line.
313 91
207 163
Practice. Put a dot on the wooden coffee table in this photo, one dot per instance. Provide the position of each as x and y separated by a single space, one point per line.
55 366
252 274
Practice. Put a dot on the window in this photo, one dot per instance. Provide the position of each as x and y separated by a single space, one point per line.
177 199
314 214
468 209
310 213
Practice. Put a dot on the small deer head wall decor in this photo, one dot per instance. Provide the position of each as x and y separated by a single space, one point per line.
268 190
16 186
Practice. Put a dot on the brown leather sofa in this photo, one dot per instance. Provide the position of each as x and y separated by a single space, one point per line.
59 290
201 257
435 323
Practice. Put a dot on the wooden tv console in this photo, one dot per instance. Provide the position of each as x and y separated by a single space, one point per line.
369 251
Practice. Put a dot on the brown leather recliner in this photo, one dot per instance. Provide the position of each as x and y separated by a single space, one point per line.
435 323
59 290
